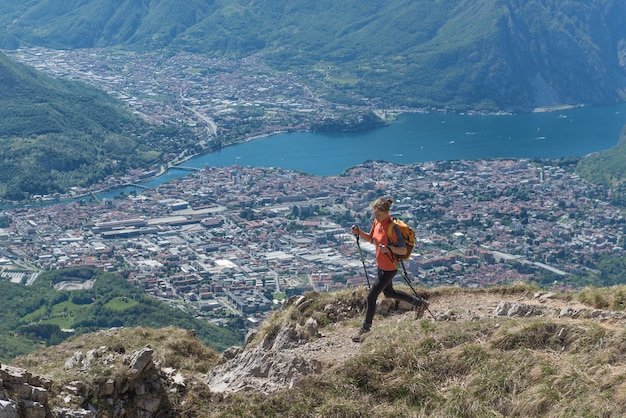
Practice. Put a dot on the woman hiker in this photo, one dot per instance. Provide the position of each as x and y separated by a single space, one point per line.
385 259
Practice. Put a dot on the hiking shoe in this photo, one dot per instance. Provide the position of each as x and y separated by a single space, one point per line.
420 303
420 306
360 335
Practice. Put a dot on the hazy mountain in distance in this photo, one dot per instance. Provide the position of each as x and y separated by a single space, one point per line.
484 54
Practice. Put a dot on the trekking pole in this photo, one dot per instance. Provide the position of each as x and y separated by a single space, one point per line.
362 261
406 279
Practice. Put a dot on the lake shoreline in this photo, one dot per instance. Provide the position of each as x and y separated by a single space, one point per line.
431 120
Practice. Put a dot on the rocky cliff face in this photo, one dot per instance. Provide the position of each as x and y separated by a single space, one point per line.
274 364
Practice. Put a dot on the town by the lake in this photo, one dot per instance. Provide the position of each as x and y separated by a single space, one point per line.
225 241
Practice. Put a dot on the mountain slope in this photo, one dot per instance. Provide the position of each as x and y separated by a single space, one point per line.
509 351
57 134
488 54
38 104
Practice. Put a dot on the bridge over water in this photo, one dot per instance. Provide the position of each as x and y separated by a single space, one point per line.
184 167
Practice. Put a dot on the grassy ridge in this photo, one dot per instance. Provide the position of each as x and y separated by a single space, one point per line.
492 367
489 368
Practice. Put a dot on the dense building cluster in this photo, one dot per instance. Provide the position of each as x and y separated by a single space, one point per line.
222 100
227 238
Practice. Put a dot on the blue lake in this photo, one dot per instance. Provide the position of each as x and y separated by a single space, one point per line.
420 137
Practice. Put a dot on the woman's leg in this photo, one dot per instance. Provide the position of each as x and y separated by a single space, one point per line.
383 281
390 292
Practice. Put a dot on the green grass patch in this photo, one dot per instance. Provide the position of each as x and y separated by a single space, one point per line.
62 322
120 304
35 315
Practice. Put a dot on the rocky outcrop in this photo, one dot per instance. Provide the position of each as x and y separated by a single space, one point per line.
284 354
524 310
272 365
22 394
137 389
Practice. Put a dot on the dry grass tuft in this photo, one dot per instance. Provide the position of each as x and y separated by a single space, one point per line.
612 298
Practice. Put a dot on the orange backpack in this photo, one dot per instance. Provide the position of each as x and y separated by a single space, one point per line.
407 233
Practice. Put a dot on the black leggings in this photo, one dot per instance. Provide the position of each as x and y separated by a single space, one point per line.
383 284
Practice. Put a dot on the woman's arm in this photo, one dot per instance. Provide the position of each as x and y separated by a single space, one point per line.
400 247
358 231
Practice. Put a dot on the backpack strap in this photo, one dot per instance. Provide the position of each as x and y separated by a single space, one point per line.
391 227
390 233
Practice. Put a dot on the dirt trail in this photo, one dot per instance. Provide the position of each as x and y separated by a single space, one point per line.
336 346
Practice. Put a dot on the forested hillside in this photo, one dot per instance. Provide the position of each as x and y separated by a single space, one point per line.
478 54
456 54
608 169
35 316
57 134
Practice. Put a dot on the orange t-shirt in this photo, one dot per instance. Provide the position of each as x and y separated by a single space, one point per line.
379 236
